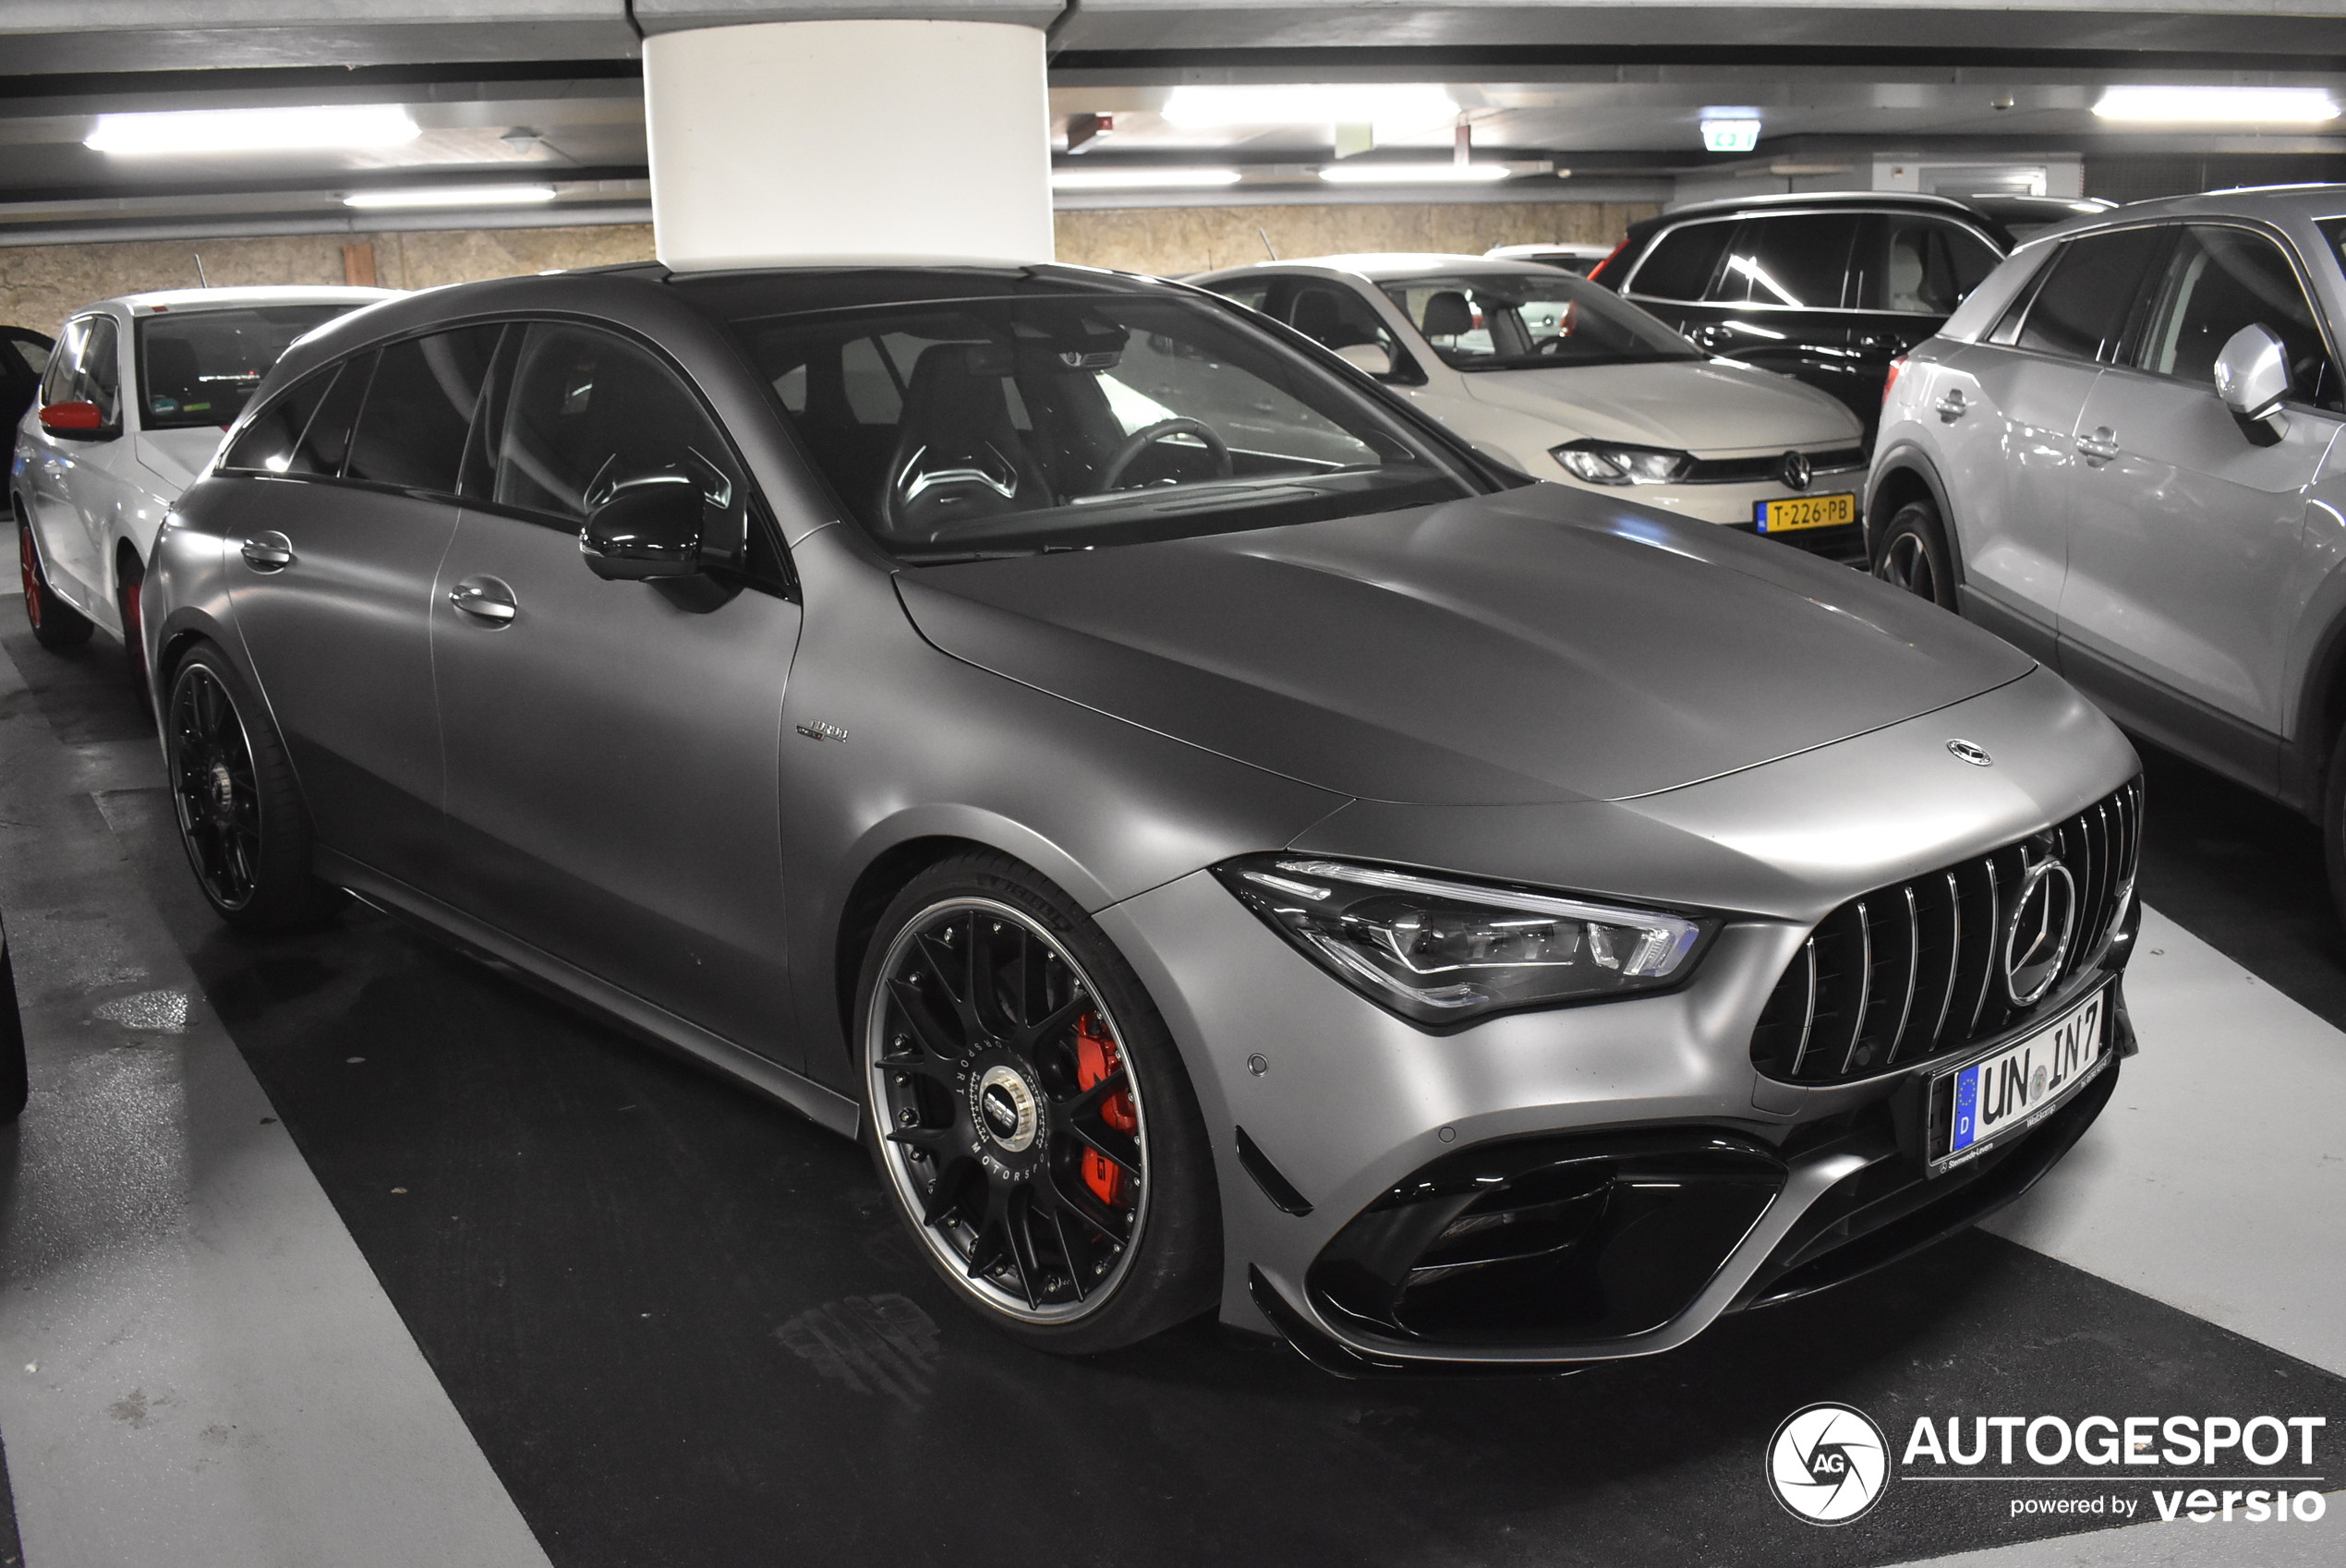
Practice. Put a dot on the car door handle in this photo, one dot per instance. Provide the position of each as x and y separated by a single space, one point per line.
484 598
268 552
1951 407
2099 447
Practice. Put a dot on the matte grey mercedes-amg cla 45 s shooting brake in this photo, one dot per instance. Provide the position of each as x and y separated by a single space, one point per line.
1224 845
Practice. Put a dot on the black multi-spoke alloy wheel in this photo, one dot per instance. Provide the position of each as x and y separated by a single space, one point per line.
1911 553
1029 1114
239 811
55 624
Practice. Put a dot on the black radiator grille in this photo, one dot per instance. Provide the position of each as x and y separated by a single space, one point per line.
1742 470
1908 971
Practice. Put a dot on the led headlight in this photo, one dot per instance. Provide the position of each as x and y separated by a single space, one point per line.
1444 953
1608 462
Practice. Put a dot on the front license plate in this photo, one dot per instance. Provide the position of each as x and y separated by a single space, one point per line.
1805 512
2015 1089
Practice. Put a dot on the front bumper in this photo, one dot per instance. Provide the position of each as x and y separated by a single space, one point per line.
1323 1106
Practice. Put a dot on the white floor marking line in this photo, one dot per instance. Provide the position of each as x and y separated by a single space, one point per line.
197 1366
2215 1181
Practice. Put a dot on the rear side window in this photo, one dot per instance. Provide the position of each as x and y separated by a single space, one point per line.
1795 262
2083 304
269 443
1680 264
2218 281
1917 265
418 409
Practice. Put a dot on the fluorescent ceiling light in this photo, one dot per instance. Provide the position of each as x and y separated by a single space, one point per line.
254 130
1413 174
1139 179
452 196
1361 105
2218 105
1730 136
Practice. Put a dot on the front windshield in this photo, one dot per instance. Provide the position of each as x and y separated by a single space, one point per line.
1519 321
200 366
1006 426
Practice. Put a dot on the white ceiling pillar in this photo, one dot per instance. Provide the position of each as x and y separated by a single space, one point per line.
777 142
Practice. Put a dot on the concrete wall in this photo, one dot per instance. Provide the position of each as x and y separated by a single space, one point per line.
40 286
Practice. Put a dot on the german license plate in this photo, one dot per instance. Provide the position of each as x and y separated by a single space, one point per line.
1805 512
2020 1085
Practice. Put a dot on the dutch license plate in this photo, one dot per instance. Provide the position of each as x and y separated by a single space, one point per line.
1805 512
2016 1087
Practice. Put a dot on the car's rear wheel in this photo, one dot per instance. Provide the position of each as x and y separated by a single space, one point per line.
239 811
1911 553
1030 1114
55 624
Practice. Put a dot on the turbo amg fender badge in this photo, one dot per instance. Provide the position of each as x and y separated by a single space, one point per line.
821 732
1962 751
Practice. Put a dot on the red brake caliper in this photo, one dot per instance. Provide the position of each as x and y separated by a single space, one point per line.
1095 1059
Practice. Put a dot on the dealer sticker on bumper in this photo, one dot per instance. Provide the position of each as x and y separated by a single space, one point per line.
2011 1090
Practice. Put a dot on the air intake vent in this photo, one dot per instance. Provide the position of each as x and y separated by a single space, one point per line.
1915 970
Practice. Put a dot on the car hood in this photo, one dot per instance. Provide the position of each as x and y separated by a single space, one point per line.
1693 406
1539 645
175 458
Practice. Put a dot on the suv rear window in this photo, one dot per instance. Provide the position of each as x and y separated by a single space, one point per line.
1680 264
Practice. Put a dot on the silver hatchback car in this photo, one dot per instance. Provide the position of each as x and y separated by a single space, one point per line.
1222 844
2123 454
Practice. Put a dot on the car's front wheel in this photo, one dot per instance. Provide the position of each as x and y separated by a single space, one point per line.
55 624
1911 553
238 807
1029 1112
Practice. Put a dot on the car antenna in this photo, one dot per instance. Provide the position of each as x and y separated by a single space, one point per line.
1266 242
199 277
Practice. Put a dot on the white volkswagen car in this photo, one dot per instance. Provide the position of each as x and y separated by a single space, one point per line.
131 407
1566 381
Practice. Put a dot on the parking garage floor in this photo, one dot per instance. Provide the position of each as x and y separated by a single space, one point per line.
345 1250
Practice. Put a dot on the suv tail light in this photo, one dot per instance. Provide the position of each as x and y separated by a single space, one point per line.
1891 379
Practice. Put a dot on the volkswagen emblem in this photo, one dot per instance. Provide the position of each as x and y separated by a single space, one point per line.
1967 750
2037 933
1793 469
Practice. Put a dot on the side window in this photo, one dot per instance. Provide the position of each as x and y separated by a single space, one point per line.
418 408
1248 292
1798 260
98 376
271 442
2083 304
1917 265
2218 281
591 411
1337 317
1680 264
874 387
57 380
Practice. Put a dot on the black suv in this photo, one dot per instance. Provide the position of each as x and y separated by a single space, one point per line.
1829 287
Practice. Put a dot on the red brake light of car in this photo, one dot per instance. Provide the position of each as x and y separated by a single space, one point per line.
72 416
1598 270
1891 379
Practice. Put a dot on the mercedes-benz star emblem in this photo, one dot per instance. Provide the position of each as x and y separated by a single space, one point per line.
1793 469
1967 750
1828 1464
2037 933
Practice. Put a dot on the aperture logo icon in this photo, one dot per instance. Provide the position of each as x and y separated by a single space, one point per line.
1828 1464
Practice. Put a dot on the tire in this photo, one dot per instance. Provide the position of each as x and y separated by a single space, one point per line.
14 1086
1912 554
1073 1214
127 579
55 624
239 811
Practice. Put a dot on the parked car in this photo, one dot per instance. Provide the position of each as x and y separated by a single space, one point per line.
1564 382
2122 455
1224 845
2024 217
23 353
1829 287
131 403
14 1087
1575 259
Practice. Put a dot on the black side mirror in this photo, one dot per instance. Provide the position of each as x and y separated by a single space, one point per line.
646 527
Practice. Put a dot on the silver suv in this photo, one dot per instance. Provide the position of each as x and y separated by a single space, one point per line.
2121 453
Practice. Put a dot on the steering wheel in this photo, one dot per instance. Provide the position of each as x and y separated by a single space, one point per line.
1142 440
